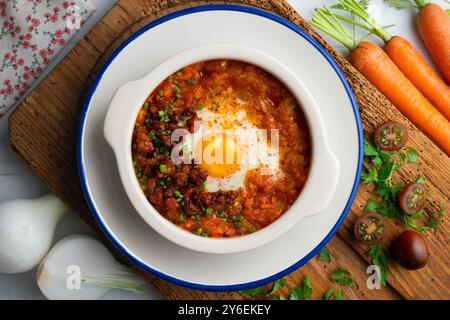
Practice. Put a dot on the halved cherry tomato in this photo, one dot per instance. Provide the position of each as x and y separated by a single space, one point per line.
390 136
369 228
412 198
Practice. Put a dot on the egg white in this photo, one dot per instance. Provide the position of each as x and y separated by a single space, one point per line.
242 129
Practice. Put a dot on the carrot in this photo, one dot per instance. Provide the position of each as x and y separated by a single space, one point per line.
378 68
416 69
381 71
434 28
407 59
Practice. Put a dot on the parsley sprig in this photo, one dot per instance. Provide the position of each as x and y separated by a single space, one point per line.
379 171
379 258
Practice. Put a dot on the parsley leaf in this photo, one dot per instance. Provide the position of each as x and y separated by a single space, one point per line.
303 292
433 224
324 255
254 292
280 283
330 294
343 277
371 206
380 258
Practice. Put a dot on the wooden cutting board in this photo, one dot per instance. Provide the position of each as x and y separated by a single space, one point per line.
42 132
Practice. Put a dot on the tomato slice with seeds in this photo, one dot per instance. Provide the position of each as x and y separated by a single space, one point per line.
412 198
369 228
390 136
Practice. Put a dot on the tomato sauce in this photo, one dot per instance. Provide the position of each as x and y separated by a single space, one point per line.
178 191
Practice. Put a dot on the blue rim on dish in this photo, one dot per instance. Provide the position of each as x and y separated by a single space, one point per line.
82 172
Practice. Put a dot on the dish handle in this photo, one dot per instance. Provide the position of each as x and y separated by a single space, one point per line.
119 115
321 184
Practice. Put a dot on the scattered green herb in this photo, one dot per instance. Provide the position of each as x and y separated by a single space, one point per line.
342 277
280 283
380 171
331 294
254 292
324 255
163 168
303 292
380 258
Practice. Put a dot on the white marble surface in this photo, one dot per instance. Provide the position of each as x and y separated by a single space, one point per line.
17 181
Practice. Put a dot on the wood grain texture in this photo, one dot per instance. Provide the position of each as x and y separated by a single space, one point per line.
42 132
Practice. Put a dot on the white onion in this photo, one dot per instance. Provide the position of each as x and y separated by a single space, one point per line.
80 267
27 227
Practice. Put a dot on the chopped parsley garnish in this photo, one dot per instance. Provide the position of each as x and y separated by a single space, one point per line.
201 107
163 168
145 106
161 93
181 218
220 213
324 255
177 92
192 81
165 132
179 73
195 217
163 182
164 115
239 218
207 211
342 277
178 196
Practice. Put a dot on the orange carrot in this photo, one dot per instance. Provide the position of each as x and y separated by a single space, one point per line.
434 27
382 72
407 59
416 69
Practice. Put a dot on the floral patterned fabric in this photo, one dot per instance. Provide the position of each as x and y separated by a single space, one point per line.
32 32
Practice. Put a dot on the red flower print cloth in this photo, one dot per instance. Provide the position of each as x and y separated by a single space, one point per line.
32 32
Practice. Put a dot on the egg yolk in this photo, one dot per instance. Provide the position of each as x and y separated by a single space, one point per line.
220 155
